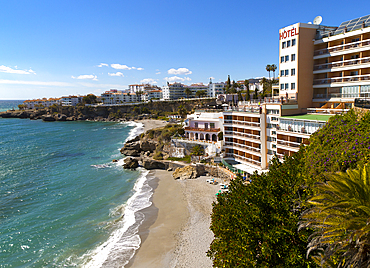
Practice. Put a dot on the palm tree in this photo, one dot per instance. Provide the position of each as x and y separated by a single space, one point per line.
268 68
273 69
187 92
340 217
197 150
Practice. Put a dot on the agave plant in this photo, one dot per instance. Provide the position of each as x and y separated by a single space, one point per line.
340 217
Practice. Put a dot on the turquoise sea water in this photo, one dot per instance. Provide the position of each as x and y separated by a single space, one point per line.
63 202
9 104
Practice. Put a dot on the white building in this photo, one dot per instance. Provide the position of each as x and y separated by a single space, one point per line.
215 89
71 100
44 102
152 94
173 91
115 96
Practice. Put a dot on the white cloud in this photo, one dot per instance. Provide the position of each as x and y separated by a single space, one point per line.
158 73
120 67
212 78
125 67
116 74
5 69
103 64
86 76
179 71
176 78
149 81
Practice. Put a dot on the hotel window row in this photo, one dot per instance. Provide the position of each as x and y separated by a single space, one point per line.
286 58
286 72
288 43
286 86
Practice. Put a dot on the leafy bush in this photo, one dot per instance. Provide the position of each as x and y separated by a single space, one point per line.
186 158
158 156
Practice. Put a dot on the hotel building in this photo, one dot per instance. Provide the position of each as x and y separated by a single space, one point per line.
323 70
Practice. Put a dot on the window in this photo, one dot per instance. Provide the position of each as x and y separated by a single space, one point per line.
293 57
288 43
206 125
282 73
281 86
274 118
292 72
293 42
286 72
281 59
274 146
273 132
196 124
292 85
286 86
287 58
283 45
212 125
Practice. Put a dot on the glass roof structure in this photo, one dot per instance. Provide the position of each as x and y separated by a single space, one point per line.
353 24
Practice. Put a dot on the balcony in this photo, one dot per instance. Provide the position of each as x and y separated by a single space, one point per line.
289 143
202 129
243 123
326 111
343 79
342 95
344 63
352 45
242 146
246 135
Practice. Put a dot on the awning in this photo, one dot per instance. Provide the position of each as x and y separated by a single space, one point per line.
249 169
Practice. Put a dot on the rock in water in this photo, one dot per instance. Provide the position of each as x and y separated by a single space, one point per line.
185 173
131 149
130 163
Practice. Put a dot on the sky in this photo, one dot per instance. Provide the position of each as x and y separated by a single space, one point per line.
60 48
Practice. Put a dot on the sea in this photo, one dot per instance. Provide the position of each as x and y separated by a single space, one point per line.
63 202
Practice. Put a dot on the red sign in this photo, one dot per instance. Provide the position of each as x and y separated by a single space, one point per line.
289 33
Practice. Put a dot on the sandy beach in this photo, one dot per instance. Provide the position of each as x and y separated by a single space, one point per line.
151 123
176 230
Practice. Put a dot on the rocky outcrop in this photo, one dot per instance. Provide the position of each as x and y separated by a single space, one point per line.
135 147
185 173
154 164
148 146
130 163
60 117
48 118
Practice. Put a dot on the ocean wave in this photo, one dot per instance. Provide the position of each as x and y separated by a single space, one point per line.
137 130
124 241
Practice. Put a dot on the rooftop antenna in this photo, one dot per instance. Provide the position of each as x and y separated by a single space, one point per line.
317 20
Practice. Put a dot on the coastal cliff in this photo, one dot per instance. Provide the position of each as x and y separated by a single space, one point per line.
109 113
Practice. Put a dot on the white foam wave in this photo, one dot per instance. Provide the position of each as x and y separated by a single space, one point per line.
137 130
124 241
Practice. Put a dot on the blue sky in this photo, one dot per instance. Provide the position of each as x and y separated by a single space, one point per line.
58 48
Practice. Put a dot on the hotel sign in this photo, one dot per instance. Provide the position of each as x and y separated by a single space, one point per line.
289 33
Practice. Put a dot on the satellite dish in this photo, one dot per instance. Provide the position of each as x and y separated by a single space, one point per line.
317 20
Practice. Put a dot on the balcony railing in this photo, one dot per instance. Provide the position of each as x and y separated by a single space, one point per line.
342 95
344 79
289 143
244 123
202 129
242 146
342 47
242 134
326 111
344 63
246 159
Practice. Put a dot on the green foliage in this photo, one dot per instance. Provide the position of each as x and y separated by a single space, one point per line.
89 99
145 110
255 225
342 144
182 111
340 218
186 158
220 136
201 93
197 150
